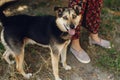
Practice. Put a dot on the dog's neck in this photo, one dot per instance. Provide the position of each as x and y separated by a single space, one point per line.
61 36
65 36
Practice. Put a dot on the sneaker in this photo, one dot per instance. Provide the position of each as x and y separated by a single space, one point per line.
81 55
102 43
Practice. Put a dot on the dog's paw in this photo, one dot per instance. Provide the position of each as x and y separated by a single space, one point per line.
11 62
58 79
67 67
27 76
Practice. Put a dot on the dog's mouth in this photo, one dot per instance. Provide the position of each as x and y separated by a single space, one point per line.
70 31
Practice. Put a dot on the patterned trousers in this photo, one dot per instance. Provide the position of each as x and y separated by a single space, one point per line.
91 10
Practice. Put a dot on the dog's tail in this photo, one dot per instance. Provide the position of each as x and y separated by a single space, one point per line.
3 7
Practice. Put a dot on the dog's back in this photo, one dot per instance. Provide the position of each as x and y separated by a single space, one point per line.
19 27
38 28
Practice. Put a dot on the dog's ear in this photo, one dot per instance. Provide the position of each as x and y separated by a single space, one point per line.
56 8
77 9
59 11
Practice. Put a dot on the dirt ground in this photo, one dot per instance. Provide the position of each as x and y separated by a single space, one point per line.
37 59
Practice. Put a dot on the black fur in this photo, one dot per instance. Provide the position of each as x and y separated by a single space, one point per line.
41 29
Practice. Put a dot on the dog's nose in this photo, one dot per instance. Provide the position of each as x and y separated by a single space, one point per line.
72 26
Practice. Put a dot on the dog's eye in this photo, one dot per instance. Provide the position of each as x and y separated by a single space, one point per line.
65 18
74 16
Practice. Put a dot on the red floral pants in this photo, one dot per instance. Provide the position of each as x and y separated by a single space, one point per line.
91 10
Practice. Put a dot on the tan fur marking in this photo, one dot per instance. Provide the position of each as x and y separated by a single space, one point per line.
19 62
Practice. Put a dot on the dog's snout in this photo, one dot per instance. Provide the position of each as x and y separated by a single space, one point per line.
72 26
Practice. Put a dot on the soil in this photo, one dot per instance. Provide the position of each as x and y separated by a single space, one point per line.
37 59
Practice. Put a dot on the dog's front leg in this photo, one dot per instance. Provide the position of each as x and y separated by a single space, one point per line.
55 60
63 57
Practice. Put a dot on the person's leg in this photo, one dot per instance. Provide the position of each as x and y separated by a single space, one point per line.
93 18
76 49
76 45
93 22
75 40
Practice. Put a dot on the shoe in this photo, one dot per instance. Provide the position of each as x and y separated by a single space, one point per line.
81 55
102 43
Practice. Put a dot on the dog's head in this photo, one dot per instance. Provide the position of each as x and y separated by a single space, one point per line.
68 18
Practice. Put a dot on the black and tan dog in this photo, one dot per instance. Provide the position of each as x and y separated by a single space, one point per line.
49 31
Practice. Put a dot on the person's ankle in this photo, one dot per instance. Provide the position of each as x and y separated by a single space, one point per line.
95 37
76 47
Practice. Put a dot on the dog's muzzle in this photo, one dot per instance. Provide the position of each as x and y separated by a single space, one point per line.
70 29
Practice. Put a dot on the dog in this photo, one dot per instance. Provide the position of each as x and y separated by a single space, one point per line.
54 32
